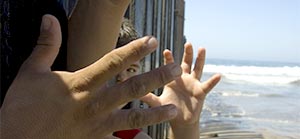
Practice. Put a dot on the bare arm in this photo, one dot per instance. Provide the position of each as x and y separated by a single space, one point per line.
90 21
188 132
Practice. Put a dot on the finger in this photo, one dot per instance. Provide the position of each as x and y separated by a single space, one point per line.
200 60
138 86
151 99
168 57
116 61
47 48
210 83
187 58
137 118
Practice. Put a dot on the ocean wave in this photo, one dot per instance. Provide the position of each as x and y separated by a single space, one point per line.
239 94
254 70
277 121
296 82
276 80
236 93
259 75
273 95
224 110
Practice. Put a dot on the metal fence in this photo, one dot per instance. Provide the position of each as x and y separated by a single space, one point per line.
163 19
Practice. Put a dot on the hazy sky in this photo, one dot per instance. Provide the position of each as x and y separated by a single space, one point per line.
245 29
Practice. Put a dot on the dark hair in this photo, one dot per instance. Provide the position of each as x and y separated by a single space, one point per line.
127 33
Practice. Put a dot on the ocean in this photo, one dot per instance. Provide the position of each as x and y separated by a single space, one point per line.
260 96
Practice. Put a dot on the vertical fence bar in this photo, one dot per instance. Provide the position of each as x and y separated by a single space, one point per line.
164 20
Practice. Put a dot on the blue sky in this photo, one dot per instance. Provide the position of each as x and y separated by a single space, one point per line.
267 30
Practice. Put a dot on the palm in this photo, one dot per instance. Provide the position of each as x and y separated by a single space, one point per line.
186 96
186 92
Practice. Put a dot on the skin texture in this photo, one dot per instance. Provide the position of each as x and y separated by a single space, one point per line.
187 93
91 20
56 104
133 70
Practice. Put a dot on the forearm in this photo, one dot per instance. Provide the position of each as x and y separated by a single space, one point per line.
184 132
93 30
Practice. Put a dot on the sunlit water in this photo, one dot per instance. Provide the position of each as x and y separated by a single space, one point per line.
261 96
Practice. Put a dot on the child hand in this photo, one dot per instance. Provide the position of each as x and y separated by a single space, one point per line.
187 93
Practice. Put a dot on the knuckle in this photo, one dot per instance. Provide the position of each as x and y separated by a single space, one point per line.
136 118
136 88
136 50
80 84
48 40
162 77
116 61
87 110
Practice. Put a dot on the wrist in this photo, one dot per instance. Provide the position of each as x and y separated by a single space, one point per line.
185 126
190 131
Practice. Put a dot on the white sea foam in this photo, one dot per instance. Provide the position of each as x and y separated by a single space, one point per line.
277 121
239 94
260 75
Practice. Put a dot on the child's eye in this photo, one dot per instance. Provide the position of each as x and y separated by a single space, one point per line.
131 70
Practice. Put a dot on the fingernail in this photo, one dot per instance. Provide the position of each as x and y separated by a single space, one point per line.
172 111
152 43
175 70
46 23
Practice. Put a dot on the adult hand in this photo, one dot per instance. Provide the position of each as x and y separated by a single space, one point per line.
54 104
187 93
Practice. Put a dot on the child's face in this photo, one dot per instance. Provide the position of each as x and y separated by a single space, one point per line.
132 70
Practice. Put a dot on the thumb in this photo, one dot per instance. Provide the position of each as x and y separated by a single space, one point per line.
47 48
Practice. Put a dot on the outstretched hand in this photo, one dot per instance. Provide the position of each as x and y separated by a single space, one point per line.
54 104
187 93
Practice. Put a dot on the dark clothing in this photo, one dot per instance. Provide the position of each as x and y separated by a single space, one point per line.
20 23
